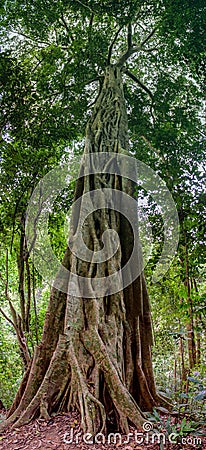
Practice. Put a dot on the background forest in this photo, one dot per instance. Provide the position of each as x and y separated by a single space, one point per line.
52 57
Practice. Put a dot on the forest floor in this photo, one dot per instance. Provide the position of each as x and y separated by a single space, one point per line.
56 434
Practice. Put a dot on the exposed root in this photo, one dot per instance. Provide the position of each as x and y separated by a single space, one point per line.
123 401
54 381
88 403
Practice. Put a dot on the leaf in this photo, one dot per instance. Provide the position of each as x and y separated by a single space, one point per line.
163 410
200 396
183 395
183 423
194 380
156 415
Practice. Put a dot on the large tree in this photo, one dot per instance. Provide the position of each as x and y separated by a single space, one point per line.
99 363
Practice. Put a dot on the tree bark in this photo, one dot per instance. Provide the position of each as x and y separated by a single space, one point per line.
190 323
198 333
100 361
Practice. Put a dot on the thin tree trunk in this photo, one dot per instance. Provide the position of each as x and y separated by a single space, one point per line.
198 340
35 306
16 321
28 304
190 323
182 360
198 334
21 269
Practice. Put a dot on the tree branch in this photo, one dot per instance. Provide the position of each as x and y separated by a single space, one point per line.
134 78
14 219
7 318
85 6
7 274
148 37
91 20
130 51
156 151
133 49
145 88
63 21
17 324
112 45
19 32
129 35
93 80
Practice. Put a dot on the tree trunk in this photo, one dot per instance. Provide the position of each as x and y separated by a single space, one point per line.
182 362
95 353
198 333
190 323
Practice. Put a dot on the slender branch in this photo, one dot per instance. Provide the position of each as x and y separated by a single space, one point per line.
112 45
200 131
17 324
14 220
7 274
148 37
145 88
85 6
134 78
139 25
15 213
37 65
155 150
34 302
19 32
91 20
28 303
63 21
93 80
13 311
40 203
10 303
7 318
129 35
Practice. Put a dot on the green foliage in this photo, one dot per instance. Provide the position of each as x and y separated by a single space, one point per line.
174 430
11 369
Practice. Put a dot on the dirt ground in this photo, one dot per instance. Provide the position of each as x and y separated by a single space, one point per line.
61 433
